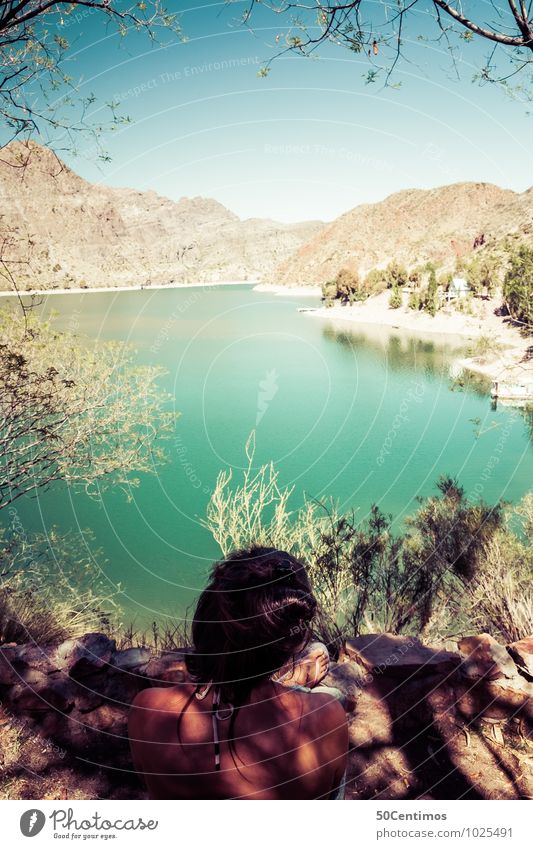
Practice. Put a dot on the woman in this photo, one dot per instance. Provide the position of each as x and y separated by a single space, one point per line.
236 732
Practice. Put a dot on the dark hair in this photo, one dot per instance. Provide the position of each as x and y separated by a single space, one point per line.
249 621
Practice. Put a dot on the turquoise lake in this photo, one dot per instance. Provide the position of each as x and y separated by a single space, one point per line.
364 414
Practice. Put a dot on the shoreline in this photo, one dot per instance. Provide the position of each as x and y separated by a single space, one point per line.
506 365
140 287
289 291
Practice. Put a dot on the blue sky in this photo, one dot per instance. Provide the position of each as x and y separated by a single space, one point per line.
311 140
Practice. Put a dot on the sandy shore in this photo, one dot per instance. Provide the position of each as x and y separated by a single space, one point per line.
135 288
506 364
290 291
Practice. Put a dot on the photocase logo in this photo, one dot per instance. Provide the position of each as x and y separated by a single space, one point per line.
268 388
32 822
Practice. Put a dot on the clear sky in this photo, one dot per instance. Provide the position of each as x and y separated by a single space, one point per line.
311 140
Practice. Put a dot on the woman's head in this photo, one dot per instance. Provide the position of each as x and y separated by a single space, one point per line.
252 617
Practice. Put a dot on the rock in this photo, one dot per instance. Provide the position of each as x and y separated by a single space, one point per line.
15 660
486 658
84 656
44 696
401 657
522 653
169 668
108 719
131 659
500 698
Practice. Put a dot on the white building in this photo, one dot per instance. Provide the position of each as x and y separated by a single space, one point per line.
458 288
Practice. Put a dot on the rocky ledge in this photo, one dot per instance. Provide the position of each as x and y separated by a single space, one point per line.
427 723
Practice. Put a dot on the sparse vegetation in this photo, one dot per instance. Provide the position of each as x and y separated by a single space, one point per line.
72 413
484 346
440 575
49 592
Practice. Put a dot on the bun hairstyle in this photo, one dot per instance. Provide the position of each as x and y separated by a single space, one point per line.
252 617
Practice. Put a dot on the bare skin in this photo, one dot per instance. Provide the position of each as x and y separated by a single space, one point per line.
286 744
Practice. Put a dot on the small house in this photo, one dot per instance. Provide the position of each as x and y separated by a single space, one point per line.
458 288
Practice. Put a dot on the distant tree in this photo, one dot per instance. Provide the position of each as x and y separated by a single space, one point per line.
482 274
346 287
396 275
375 281
385 33
348 284
518 286
72 414
37 93
431 303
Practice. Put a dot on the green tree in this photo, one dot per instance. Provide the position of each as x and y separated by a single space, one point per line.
482 274
396 275
375 281
85 416
431 303
518 286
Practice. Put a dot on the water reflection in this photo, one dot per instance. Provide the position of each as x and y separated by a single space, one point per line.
400 351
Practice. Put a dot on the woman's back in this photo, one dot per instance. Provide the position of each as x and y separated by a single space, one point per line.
285 744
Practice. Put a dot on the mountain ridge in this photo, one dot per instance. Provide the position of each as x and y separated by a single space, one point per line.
412 226
58 230
61 231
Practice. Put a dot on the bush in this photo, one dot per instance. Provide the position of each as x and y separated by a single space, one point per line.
415 300
395 300
49 593
72 413
484 346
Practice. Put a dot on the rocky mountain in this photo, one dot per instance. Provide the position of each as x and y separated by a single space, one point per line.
412 227
57 230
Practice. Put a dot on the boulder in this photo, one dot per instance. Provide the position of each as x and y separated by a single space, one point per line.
43 696
83 656
498 699
169 668
485 658
131 659
522 653
400 657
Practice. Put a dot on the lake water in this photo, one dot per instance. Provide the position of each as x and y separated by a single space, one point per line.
364 415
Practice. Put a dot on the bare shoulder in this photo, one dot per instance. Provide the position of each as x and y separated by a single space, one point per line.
328 710
155 701
317 708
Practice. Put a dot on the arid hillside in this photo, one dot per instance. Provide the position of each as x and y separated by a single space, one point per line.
413 227
58 230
